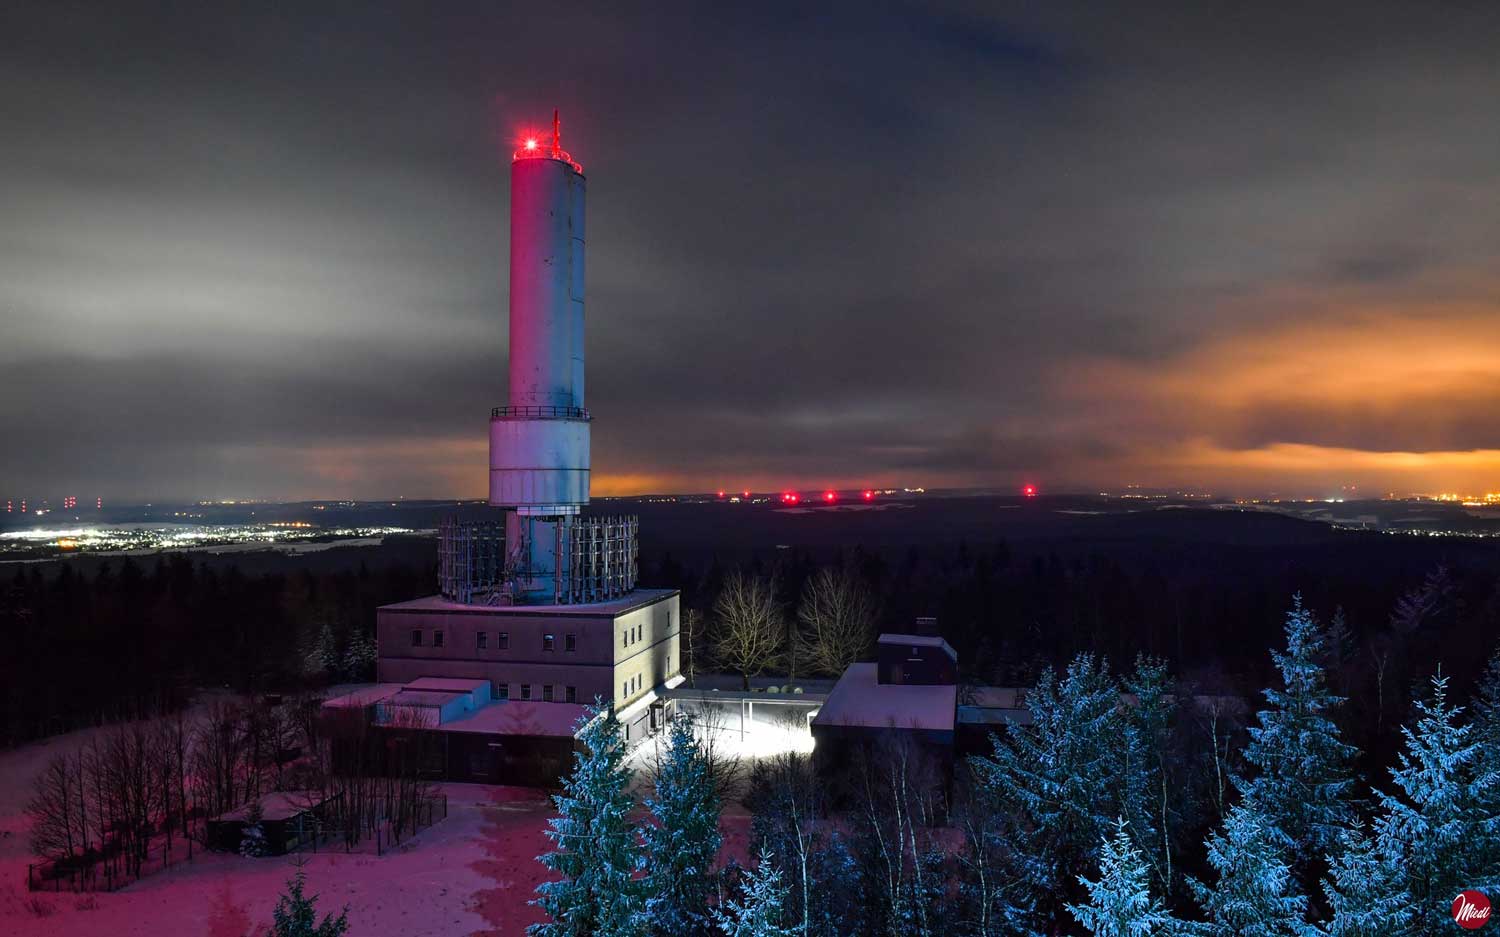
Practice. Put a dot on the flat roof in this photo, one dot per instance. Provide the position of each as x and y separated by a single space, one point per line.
919 640
410 697
640 598
448 684
859 699
364 696
521 717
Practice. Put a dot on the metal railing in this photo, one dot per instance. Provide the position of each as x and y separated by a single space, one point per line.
556 413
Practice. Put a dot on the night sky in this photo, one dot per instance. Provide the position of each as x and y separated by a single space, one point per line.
248 251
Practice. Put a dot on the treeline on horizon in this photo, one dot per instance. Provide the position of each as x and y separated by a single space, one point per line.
136 637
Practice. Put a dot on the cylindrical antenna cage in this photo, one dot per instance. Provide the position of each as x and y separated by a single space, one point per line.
592 559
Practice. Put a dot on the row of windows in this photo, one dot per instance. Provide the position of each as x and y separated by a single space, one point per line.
636 632
570 693
630 686
502 640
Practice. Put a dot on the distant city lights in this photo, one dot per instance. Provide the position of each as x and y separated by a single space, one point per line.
150 538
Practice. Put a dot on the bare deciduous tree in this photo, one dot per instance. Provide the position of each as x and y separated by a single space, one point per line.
692 642
58 819
749 628
837 615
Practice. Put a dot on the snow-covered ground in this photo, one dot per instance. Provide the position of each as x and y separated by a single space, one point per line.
470 874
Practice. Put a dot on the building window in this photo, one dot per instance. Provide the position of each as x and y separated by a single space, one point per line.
546 692
484 640
502 691
624 639
502 640
572 694
437 638
625 689
548 642
416 637
570 643
525 691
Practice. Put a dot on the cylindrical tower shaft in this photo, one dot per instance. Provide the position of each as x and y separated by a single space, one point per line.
546 284
539 444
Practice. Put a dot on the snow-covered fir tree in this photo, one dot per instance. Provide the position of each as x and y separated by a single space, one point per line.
1062 774
1486 722
1304 781
596 842
359 657
322 656
1120 902
1148 804
253 843
683 841
1436 824
296 914
1255 894
1366 891
760 912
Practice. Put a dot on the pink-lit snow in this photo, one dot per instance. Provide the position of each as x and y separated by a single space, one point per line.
470 874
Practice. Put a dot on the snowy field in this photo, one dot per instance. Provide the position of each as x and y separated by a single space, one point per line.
471 874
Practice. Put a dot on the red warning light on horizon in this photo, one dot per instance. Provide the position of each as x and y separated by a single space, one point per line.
868 495
830 497
790 497
1028 491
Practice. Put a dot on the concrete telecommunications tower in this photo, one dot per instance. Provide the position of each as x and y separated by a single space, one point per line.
544 551
537 609
537 602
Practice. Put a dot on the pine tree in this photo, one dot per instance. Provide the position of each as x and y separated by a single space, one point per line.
1339 649
1120 902
1486 724
1059 778
359 657
1436 825
1304 780
1366 892
683 843
253 838
1147 803
1255 894
296 915
596 842
760 912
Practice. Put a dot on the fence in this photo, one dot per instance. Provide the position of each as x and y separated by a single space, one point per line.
113 872
109 872
323 838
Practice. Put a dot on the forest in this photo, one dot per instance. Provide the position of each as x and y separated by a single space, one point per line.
1118 811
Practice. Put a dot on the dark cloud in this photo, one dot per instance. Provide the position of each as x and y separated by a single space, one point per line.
261 251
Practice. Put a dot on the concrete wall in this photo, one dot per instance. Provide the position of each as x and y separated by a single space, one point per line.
606 662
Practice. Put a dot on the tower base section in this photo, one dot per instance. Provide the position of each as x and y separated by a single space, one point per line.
526 559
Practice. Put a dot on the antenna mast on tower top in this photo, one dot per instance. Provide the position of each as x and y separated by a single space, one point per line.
556 136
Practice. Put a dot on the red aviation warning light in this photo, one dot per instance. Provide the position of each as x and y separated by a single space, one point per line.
830 497
1028 491
721 494
868 495
790 497
530 146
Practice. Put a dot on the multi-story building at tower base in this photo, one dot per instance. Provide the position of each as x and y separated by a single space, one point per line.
622 651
